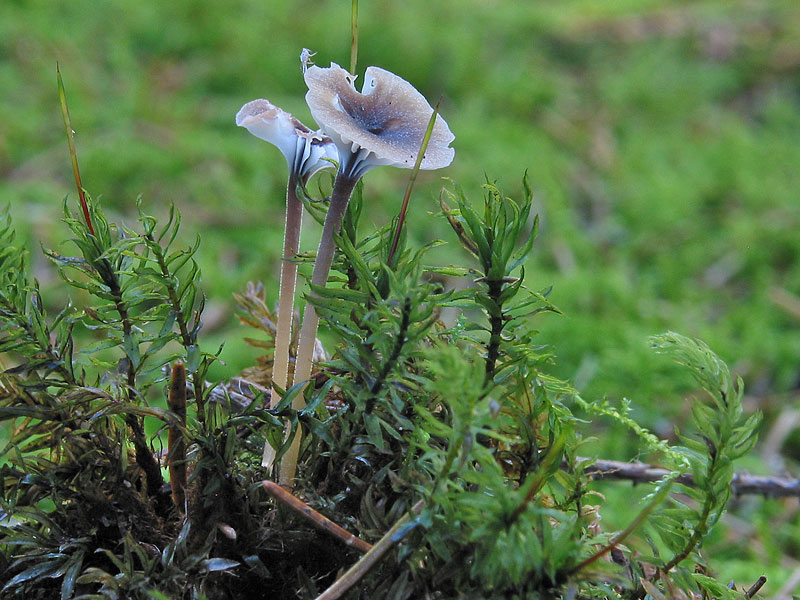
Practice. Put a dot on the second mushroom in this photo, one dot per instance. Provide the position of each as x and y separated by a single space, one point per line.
383 124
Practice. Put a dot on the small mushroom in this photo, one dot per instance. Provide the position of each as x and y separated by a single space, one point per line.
306 152
384 124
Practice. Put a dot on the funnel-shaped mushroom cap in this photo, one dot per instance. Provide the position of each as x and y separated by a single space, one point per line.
306 151
384 123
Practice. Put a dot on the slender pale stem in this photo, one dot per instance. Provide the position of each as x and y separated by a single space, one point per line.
283 336
342 189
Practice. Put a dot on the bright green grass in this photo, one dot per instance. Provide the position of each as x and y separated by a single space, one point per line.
661 140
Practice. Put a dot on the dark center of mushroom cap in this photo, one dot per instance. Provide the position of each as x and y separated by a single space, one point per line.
375 115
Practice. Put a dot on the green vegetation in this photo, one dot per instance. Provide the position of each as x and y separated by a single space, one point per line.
462 427
660 143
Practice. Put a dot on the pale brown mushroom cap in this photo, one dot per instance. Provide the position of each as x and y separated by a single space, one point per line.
388 118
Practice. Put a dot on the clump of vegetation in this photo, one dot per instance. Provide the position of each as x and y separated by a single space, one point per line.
456 430
437 457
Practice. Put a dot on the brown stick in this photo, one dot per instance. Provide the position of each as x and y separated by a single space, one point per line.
755 587
369 560
742 483
176 443
318 520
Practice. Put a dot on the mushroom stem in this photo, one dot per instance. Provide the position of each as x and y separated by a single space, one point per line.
283 335
342 189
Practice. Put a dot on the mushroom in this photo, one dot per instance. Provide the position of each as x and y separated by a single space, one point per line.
306 152
384 124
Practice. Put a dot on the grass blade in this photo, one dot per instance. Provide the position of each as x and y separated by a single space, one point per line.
73 154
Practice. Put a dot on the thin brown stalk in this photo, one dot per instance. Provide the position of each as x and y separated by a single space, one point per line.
283 335
755 587
73 154
355 573
176 442
318 520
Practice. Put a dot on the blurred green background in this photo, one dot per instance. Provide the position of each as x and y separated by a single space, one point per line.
662 140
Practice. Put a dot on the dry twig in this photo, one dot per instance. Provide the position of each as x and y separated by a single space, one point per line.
318 520
755 587
742 483
176 455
